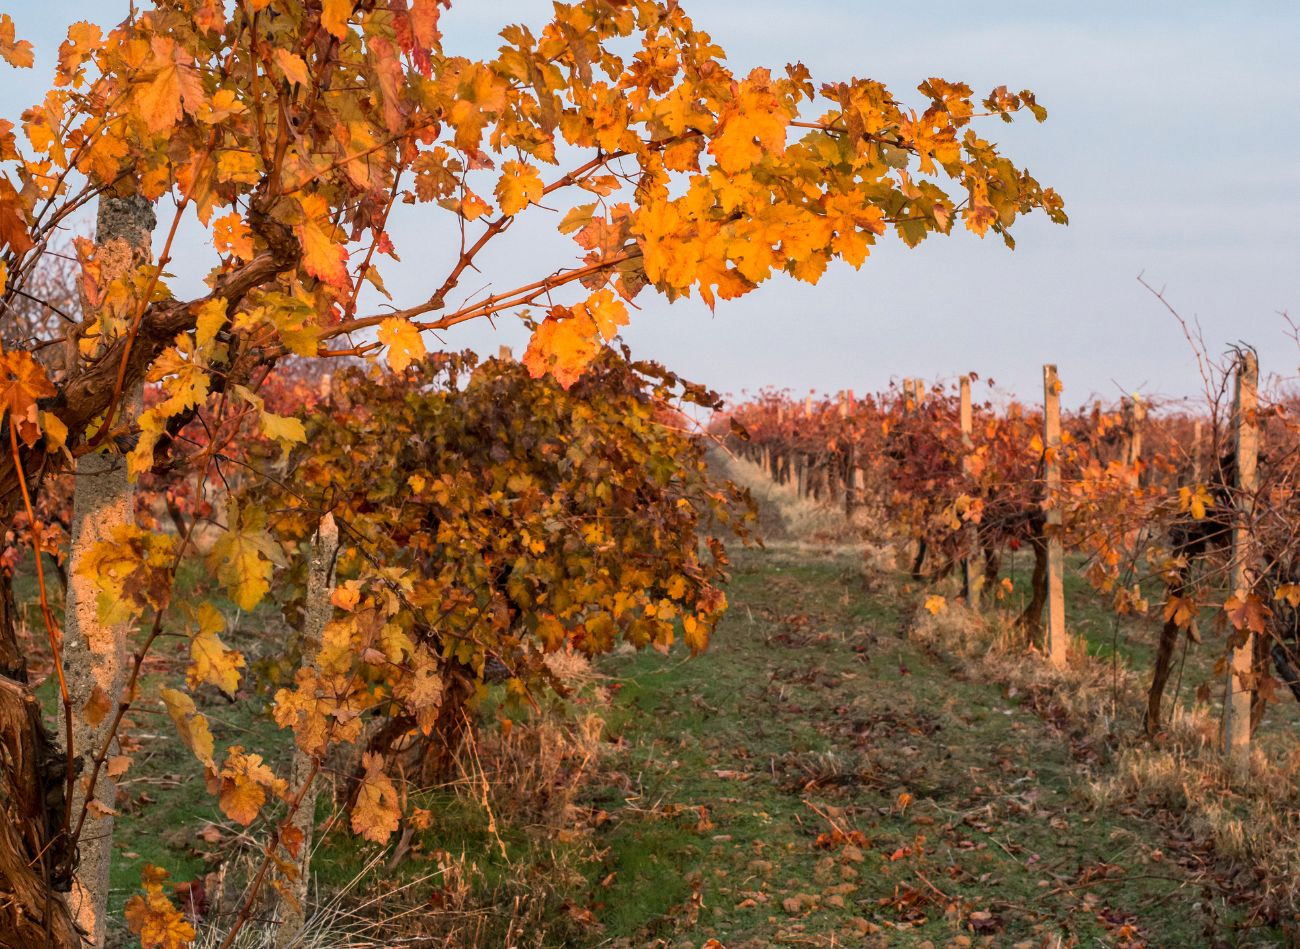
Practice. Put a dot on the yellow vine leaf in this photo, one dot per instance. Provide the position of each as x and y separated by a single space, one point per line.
292 66
754 125
404 342
83 39
334 16
153 917
24 381
191 724
158 95
16 53
935 604
244 556
231 235
1195 501
376 814
607 312
520 186
211 317
131 571
563 347
243 784
695 634
318 713
210 660
283 428
322 256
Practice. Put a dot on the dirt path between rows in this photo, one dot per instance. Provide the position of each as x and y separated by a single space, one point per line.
819 779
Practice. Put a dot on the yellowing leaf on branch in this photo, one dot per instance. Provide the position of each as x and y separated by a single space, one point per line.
244 556
1195 501
322 256
15 52
404 342
232 235
191 724
167 82
520 186
210 319
376 813
210 660
131 572
283 428
754 124
24 381
83 40
607 312
1289 592
334 16
291 65
569 339
562 348
243 784
153 918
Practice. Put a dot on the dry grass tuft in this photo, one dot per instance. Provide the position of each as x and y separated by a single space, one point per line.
1250 824
537 770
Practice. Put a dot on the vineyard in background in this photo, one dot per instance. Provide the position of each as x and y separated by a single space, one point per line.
1190 518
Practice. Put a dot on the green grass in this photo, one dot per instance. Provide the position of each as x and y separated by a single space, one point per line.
1132 641
727 774
810 712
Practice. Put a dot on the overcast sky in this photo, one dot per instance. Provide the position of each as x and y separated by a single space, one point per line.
1173 135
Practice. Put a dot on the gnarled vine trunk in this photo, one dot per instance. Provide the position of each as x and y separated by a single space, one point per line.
35 865
1032 618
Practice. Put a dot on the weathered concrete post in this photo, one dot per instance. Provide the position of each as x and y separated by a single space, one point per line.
94 653
317 613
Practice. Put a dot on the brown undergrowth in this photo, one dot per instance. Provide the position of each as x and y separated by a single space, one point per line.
1240 833
500 856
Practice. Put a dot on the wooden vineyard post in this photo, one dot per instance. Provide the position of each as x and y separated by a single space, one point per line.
967 428
1055 643
1198 452
850 457
908 400
1135 413
1239 690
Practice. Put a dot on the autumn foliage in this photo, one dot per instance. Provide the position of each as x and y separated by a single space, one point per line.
279 137
1149 501
490 519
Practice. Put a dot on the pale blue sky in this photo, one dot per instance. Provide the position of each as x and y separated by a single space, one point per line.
1173 135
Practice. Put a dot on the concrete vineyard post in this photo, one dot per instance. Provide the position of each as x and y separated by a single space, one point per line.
94 652
1055 644
318 608
1238 690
